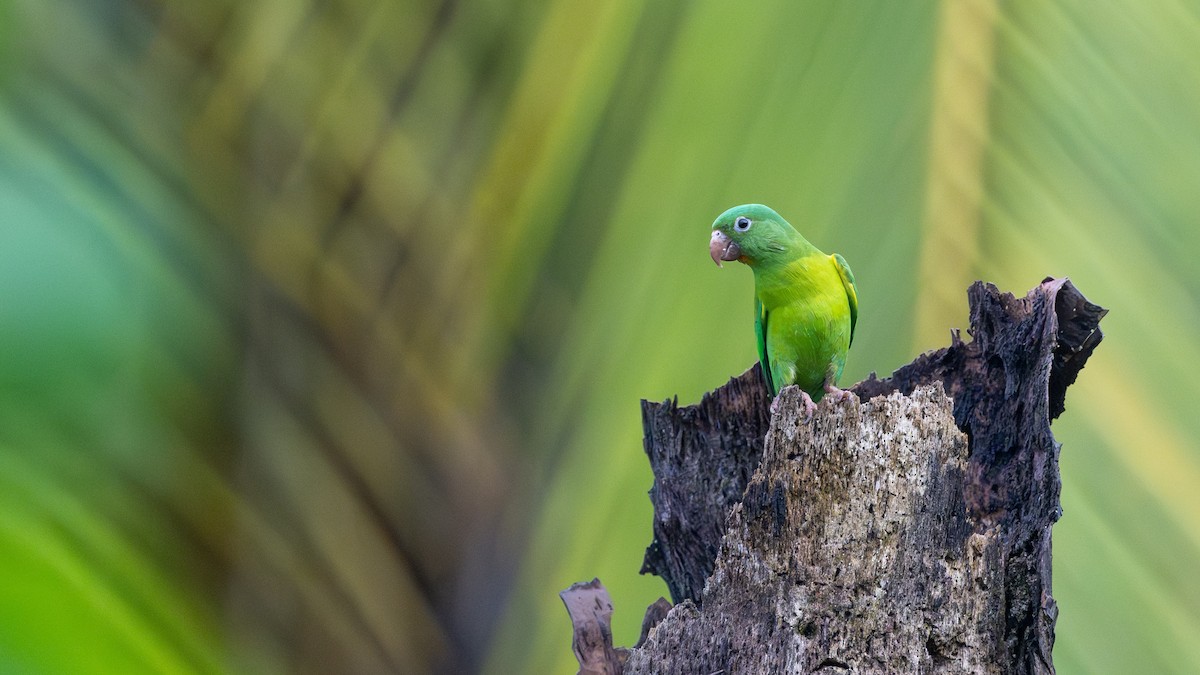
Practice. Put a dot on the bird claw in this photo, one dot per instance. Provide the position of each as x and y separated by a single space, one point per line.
806 403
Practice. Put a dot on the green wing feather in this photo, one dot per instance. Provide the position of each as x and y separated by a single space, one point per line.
760 332
851 295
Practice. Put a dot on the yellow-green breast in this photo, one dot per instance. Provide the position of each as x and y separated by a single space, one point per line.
808 327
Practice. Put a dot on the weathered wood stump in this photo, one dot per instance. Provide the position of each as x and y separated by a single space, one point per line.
908 532
852 548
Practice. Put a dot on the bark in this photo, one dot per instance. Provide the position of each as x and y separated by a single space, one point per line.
909 532
852 549
702 456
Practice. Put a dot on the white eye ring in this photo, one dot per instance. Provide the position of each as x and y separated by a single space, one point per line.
741 224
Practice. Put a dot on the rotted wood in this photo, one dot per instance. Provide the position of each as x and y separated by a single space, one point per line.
590 609
702 456
874 519
851 550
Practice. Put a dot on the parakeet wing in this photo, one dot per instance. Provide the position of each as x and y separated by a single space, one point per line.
760 333
851 293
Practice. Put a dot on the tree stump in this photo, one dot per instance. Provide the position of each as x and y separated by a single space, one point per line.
908 531
851 549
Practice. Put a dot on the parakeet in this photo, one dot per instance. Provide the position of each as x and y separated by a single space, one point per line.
805 302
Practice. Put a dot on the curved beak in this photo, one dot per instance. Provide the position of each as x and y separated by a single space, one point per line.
721 247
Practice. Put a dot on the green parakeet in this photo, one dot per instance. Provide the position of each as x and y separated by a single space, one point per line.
805 304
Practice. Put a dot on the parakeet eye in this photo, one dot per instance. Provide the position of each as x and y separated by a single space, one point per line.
741 224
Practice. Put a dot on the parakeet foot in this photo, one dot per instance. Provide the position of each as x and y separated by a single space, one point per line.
806 402
839 395
810 408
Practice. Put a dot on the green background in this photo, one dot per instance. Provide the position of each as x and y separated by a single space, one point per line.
323 326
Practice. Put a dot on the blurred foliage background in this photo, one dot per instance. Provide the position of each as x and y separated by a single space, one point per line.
323 325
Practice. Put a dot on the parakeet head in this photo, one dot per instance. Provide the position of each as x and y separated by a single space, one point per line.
752 234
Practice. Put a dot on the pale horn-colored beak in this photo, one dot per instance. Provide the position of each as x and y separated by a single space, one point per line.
721 247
